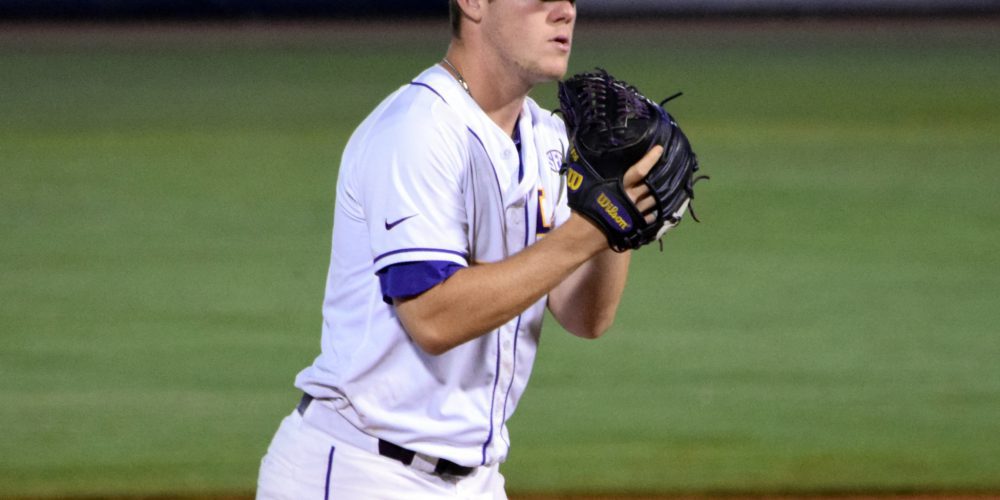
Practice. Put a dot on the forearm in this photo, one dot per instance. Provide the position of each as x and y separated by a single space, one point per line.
481 298
586 302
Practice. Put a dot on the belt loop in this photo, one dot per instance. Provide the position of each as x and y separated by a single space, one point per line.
395 452
304 404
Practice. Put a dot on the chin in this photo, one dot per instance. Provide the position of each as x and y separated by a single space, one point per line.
554 72
545 70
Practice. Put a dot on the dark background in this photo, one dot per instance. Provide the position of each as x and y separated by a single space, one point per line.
405 9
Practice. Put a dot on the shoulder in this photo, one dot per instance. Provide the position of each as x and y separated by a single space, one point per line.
414 122
418 111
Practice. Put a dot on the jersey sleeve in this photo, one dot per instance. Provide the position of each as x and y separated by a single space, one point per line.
409 279
413 197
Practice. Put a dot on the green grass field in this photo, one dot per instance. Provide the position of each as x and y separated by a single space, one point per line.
832 325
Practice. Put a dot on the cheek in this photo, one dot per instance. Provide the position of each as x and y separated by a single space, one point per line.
518 35
508 35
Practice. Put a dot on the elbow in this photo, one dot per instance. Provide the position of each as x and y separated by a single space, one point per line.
431 343
591 330
582 317
588 335
429 336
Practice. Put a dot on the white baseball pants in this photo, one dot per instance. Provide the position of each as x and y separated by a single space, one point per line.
305 462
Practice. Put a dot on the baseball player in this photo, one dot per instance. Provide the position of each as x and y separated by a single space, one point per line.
451 237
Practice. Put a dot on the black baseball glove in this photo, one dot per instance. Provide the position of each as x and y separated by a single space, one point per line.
611 125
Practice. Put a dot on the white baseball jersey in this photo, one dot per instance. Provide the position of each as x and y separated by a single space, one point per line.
429 177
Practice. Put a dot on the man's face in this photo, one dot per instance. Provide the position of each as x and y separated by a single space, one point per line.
532 36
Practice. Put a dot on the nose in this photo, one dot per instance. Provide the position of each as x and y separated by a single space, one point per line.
564 12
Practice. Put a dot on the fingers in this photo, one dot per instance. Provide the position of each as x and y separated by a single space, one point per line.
644 201
646 205
636 173
637 190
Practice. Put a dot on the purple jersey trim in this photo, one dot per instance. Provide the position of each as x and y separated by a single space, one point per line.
513 372
493 395
517 144
404 250
329 468
407 279
517 328
517 332
428 87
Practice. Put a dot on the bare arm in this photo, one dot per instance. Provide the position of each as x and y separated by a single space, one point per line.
478 299
586 302
481 298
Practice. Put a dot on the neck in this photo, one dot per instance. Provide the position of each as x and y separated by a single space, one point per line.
457 74
499 95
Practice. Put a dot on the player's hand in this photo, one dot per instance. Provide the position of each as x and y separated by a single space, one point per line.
637 190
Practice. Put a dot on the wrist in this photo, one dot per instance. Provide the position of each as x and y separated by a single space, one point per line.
585 235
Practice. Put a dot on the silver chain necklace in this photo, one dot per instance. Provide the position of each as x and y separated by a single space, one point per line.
458 75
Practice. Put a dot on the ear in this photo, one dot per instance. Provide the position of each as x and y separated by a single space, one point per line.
472 9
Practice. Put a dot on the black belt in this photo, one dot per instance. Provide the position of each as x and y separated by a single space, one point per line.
396 452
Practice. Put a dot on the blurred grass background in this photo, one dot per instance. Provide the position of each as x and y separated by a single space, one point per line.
165 211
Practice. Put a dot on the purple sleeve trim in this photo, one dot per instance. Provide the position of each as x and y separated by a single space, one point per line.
413 278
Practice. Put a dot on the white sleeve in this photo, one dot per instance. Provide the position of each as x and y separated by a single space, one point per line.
412 195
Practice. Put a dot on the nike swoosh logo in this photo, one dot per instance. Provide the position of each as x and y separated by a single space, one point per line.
390 225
